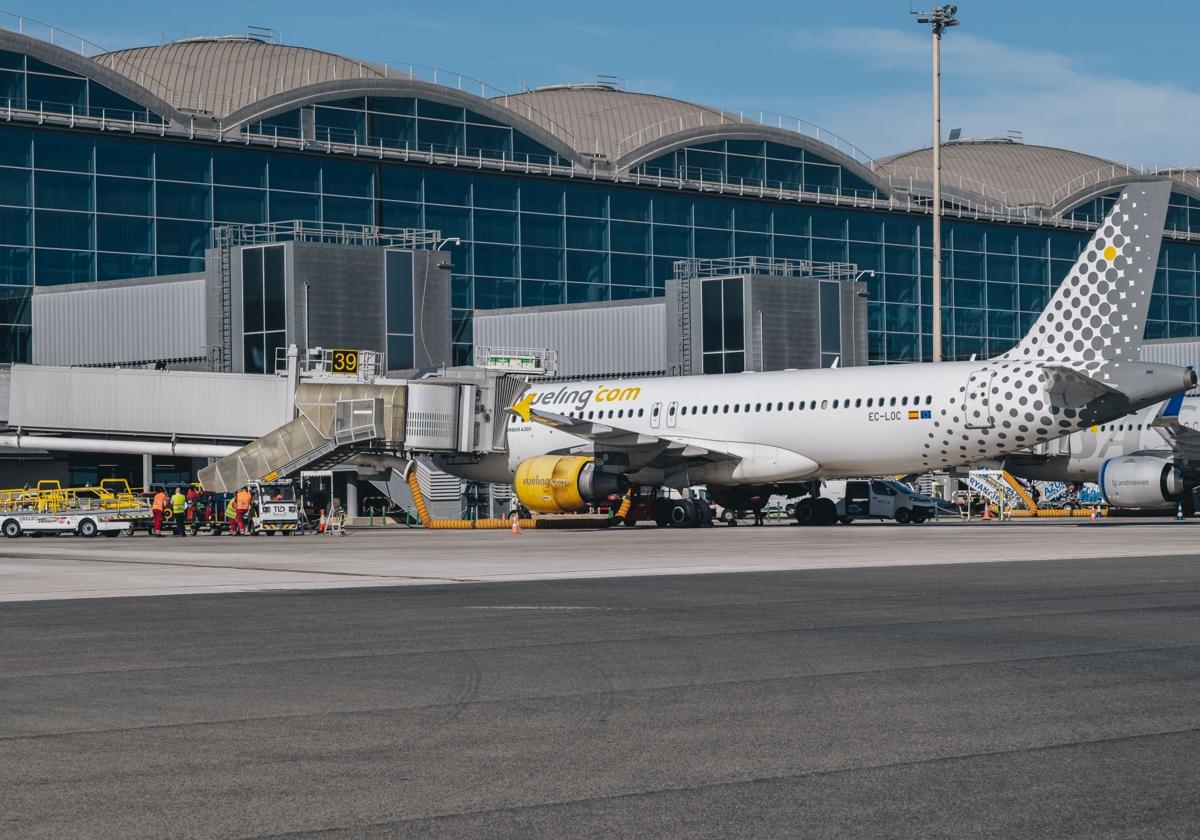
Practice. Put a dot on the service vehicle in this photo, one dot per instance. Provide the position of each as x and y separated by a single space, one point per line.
86 523
884 498
273 508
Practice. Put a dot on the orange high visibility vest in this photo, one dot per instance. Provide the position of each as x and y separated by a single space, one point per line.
160 501
242 500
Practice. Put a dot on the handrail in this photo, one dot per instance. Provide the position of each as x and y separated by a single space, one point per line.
917 174
703 117
1111 172
42 31
399 70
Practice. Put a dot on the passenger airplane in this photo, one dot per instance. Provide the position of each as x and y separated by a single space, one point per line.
1149 459
754 434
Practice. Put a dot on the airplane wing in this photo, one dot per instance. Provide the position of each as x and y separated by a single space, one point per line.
674 454
1183 440
610 437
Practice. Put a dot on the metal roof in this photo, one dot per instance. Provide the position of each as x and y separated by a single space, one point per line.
606 121
1013 173
219 75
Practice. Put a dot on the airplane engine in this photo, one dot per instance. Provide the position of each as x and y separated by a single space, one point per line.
1141 481
564 483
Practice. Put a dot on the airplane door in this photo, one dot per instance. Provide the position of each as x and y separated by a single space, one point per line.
655 415
977 405
672 410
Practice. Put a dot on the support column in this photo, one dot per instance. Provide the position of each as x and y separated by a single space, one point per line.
352 494
147 470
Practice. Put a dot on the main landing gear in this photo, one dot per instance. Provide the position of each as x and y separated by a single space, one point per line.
816 511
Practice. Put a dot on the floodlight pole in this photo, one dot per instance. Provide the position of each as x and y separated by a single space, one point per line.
939 19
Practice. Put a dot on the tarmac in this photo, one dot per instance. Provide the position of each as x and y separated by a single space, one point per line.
919 690
71 567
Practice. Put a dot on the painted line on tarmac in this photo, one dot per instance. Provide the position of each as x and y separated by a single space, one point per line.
258 569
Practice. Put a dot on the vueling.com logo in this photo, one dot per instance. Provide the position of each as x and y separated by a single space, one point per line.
578 398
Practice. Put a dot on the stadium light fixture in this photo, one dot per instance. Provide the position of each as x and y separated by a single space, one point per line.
939 20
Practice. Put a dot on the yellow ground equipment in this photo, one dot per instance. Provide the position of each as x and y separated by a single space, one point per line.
498 524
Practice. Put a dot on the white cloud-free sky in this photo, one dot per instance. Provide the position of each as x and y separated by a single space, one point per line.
1109 79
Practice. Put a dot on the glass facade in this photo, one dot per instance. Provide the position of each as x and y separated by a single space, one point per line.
399 321
78 205
26 82
723 332
407 123
264 307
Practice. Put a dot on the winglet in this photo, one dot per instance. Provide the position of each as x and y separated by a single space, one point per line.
523 408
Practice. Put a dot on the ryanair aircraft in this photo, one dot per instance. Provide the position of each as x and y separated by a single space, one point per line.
1149 459
751 435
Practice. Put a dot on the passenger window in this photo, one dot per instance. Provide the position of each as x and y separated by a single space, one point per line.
735 408
904 401
654 411
640 411
824 404
892 401
928 399
620 412
747 408
671 411
725 408
791 405
768 406
858 402
835 403
757 407
870 401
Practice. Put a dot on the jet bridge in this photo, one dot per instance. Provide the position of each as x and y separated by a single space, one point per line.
458 412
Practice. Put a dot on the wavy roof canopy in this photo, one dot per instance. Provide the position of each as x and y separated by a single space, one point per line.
221 75
1019 173
239 78
601 118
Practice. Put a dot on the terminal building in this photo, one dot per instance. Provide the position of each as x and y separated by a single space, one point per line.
202 204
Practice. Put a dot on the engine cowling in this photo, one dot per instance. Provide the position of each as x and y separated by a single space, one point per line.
564 483
1141 481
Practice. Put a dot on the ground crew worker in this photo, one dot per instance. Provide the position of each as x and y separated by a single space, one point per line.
159 506
241 503
179 512
231 517
193 497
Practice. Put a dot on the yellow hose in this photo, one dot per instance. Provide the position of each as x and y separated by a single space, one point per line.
455 524
500 524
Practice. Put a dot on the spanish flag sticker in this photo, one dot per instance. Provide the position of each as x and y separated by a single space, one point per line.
914 415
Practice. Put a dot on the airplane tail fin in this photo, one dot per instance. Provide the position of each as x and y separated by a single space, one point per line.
1099 311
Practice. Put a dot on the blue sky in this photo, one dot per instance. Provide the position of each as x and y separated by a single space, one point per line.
1115 80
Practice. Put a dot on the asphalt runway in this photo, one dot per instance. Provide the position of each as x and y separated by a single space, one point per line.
1047 699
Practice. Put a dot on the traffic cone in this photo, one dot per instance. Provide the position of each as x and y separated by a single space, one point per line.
516 523
1179 512
321 524
1092 516
987 512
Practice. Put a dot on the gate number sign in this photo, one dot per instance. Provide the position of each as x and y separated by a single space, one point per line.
343 361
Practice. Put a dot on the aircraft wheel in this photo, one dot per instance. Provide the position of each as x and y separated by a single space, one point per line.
903 516
683 514
826 511
806 512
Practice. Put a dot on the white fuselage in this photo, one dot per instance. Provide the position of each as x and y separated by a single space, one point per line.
841 422
1079 457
